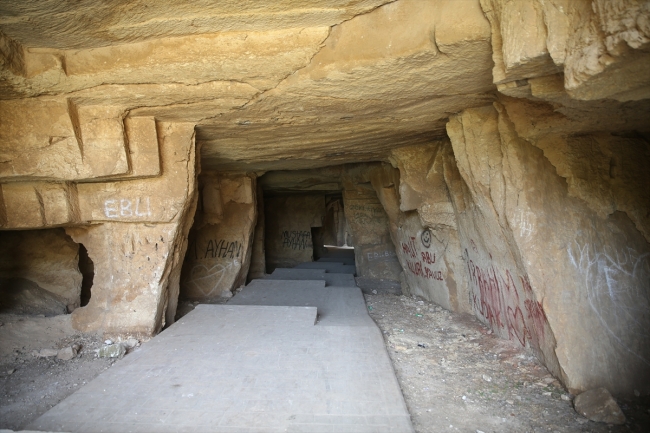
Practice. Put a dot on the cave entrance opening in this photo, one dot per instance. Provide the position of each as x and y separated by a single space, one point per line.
42 272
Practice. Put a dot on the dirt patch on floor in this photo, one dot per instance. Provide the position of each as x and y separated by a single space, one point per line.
457 376
31 385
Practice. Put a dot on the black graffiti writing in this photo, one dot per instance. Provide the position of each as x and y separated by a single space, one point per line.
426 238
373 209
222 249
296 239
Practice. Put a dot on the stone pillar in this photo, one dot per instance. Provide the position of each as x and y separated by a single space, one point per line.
219 254
138 248
368 223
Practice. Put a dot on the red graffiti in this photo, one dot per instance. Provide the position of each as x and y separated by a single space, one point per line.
422 271
409 248
498 303
428 258
535 311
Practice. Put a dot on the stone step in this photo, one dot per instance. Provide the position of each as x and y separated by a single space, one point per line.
334 267
337 306
330 279
343 260
280 284
297 274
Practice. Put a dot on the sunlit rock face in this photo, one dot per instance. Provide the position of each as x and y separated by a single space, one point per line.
491 155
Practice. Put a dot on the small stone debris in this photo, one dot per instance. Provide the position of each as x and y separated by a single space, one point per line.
565 397
107 342
67 353
374 292
45 353
422 345
131 343
487 378
112 351
10 371
599 405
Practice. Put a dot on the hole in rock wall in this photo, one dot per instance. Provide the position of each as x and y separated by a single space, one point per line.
87 269
39 272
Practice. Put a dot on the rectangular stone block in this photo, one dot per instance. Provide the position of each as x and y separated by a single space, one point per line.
37 140
54 199
143 146
57 139
102 133
238 190
23 207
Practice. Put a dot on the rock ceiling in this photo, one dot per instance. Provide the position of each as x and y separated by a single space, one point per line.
274 85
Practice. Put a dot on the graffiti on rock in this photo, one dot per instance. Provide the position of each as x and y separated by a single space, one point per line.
367 214
207 279
126 208
418 262
381 256
617 285
217 249
425 237
496 298
296 239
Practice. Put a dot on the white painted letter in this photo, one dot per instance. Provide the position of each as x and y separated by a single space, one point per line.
110 209
125 208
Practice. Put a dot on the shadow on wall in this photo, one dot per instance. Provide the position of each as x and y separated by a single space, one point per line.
87 269
39 272
290 220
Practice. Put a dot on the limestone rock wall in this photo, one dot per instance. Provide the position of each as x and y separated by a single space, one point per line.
545 268
220 242
426 230
48 258
134 229
289 220
600 46
369 227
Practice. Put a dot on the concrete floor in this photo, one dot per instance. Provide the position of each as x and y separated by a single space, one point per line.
282 356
